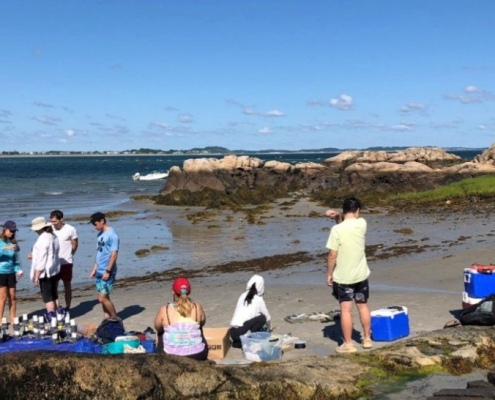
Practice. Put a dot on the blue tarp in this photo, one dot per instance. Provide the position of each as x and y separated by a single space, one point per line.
82 345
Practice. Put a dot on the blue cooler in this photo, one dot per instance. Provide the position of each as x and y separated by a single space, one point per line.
389 324
479 283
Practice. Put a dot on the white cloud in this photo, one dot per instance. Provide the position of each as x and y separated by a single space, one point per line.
481 127
413 107
400 128
265 131
472 94
70 132
47 120
186 118
343 102
473 89
274 113
249 111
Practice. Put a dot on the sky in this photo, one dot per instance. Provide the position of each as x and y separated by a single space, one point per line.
260 74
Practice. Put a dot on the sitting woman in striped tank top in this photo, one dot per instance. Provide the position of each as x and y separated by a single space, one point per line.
179 324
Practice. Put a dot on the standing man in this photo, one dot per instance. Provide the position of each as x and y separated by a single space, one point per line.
347 271
105 266
67 239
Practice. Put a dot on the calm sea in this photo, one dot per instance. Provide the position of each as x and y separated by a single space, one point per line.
34 186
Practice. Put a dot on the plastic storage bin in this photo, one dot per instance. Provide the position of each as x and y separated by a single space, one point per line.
258 346
390 323
478 282
117 347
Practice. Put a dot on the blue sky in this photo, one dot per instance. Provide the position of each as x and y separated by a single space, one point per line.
117 75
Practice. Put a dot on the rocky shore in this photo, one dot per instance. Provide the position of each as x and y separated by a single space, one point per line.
80 376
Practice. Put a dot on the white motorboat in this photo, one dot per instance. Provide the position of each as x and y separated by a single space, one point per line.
152 176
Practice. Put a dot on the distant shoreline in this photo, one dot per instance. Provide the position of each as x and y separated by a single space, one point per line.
241 153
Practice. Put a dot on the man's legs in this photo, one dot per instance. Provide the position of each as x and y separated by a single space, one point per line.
346 321
68 293
365 317
108 307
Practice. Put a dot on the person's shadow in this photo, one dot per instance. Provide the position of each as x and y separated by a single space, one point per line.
130 311
334 332
83 308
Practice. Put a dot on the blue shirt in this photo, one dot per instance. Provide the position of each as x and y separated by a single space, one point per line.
9 259
106 242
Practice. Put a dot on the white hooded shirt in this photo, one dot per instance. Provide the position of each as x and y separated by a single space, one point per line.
243 311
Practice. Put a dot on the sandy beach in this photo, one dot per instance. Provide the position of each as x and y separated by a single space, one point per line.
417 262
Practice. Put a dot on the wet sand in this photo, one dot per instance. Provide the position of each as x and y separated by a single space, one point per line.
417 261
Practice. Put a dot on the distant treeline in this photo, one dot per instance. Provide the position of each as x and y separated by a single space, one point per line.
206 150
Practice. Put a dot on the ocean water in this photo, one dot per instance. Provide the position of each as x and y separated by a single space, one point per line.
79 186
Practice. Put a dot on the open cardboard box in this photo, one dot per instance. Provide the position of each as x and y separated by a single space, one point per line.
218 342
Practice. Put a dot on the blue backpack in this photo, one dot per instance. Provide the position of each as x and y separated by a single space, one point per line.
109 329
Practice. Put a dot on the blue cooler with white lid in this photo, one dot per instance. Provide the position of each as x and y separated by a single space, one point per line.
389 323
479 281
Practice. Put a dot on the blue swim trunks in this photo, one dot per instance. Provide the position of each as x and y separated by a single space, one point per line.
104 287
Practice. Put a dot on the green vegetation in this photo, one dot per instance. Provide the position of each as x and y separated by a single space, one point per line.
480 188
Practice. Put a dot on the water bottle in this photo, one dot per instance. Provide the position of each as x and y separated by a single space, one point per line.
73 331
36 330
41 327
17 331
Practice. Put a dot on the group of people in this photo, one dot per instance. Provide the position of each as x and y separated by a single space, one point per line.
179 324
52 261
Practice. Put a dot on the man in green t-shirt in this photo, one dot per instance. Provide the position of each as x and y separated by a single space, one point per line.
347 271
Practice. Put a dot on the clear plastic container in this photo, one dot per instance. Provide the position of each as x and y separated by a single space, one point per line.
258 346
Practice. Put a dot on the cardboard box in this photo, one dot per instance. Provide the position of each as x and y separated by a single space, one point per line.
479 284
218 341
389 324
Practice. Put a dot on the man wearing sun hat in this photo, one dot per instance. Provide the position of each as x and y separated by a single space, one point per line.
105 266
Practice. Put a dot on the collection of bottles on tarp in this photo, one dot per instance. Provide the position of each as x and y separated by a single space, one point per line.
60 329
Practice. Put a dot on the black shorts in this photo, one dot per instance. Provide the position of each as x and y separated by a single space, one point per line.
48 288
8 280
358 292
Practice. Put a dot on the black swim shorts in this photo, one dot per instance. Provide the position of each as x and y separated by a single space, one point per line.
358 292
8 280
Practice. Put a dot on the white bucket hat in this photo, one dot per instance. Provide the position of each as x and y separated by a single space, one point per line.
39 223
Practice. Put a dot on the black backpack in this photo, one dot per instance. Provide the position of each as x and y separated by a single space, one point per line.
109 329
482 314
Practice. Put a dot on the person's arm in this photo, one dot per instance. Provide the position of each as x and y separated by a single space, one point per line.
265 312
335 215
160 320
92 274
74 243
17 265
201 315
110 265
332 260
39 260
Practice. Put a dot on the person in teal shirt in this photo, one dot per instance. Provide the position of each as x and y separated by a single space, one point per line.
10 268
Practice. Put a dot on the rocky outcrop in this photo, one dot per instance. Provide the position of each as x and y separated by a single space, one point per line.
54 375
430 156
487 157
232 172
356 172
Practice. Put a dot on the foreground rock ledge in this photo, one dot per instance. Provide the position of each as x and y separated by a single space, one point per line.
53 375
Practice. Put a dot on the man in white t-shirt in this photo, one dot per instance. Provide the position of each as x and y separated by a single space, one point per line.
67 237
347 271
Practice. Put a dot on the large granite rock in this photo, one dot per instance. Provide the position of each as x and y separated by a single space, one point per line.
357 172
430 156
56 375
233 172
